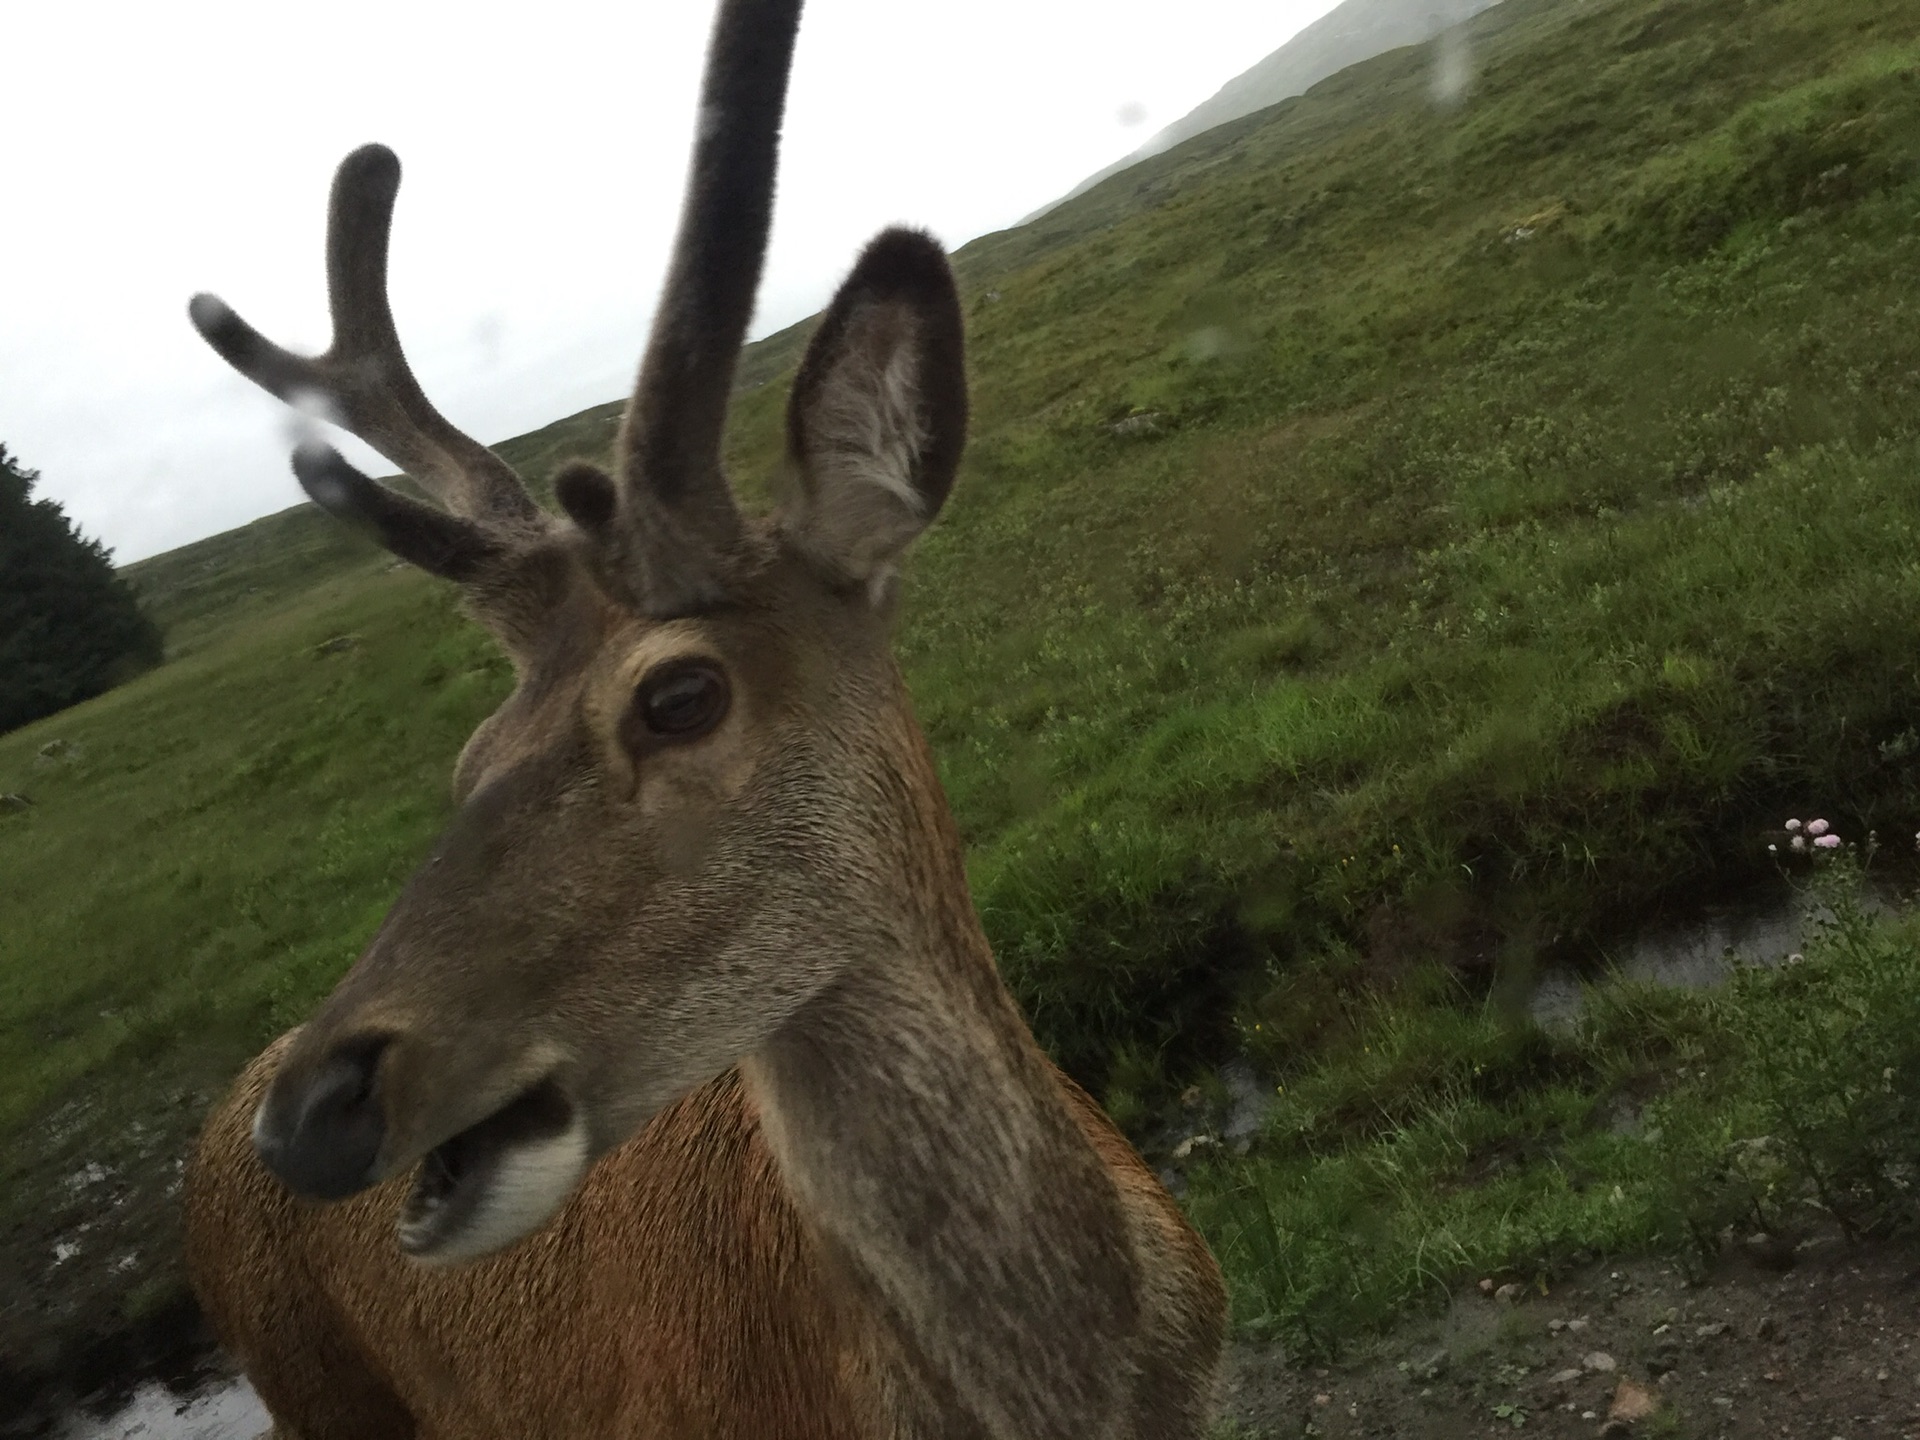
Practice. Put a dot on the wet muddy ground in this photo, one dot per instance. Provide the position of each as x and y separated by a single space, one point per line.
219 1409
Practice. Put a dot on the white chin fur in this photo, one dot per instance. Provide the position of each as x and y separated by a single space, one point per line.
531 1181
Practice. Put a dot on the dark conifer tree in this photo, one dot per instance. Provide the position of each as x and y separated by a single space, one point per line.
70 627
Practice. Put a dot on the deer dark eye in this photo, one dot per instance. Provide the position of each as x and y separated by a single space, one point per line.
681 700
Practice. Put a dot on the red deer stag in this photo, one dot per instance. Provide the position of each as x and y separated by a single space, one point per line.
678 1095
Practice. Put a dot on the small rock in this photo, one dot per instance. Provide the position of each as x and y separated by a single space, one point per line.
1711 1331
1769 1252
1632 1403
1574 1327
1486 1287
1323 1399
1432 1365
1565 1377
1599 1362
1725 1402
1146 424
1192 1143
11 801
1556 1325
1614 1429
92 1173
1768 1329
54 749
1508 1294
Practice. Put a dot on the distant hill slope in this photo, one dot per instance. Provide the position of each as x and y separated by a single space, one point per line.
201 587
283 554
1349 33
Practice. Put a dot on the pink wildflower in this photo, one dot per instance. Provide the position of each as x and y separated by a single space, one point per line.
1793 825
1828 842
1817 827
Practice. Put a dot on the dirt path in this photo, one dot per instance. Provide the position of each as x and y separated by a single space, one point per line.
1823 1349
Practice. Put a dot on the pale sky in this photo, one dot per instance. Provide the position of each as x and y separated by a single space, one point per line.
153 150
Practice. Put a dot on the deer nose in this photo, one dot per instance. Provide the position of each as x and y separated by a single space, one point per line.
321 1132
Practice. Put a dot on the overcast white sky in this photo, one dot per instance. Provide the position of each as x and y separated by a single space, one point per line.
153 150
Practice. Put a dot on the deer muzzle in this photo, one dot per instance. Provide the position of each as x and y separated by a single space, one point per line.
321 1130
324 1131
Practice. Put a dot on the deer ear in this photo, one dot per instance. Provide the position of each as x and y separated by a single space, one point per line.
878 415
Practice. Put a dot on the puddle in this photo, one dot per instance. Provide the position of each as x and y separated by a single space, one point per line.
1697 955
228 1410
1248 1101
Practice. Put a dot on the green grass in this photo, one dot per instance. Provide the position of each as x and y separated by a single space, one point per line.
1520 513
253 805
1436 1141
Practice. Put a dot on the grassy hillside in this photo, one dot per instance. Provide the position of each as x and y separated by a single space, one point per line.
1392 537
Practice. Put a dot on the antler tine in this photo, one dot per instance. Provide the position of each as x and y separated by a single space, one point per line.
363 382
670 440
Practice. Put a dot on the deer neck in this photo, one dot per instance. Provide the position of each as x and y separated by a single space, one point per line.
929 1143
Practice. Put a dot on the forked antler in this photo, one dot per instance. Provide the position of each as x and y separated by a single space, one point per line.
672 524
363 382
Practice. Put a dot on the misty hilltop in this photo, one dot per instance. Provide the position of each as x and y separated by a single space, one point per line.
1349 33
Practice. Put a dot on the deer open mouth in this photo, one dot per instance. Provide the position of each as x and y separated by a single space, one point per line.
495 1181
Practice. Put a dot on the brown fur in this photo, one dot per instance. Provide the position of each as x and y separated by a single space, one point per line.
723 1121
687 1289
677 1294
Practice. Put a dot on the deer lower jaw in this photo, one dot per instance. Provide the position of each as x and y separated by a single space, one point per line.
496 1181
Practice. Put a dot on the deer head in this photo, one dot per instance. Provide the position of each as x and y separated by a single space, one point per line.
687 819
